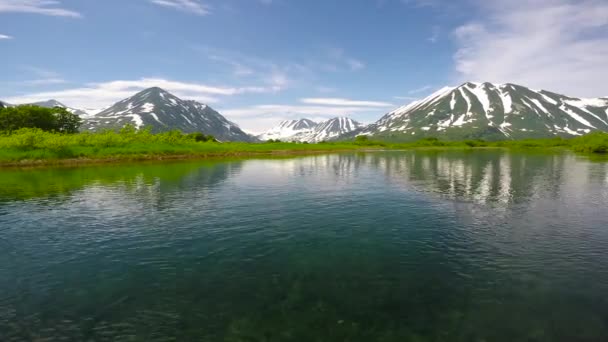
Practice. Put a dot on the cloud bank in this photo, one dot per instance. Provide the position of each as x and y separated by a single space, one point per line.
97 95
558 45
43 7
190 6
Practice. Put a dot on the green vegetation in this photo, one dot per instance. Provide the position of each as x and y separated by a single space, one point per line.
46 119
36 135
37 146
29 145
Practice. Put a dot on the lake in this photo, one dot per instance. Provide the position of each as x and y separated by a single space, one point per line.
380 246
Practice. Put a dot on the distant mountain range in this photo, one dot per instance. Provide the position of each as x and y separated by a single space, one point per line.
289 129
305 130
470 111
163 111
492 111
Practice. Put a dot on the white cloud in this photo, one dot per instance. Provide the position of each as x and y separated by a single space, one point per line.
423 3
44 7
344 102
355 64
339 56
39 76
558 45
97 95
420 90
274 76
406 98
257 111
40 72
259 118
44 81
5 37
191 6
239 69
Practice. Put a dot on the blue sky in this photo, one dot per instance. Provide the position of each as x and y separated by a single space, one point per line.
262 61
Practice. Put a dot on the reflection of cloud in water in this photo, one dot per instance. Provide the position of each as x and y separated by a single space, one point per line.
146 192
112 193
481 177
331 172
378 233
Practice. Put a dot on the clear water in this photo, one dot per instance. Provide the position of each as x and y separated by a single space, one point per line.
387 246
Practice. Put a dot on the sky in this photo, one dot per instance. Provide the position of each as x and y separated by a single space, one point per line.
262 61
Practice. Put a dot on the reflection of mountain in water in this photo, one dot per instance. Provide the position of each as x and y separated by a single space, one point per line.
488 176
479 176
199 250
483 176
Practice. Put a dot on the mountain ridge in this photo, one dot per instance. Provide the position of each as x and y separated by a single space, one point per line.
54 103
491 111
162 111
288 129
305 130
473 110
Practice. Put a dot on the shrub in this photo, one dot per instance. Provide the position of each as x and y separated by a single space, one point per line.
475 143
47 119
200 137
430 141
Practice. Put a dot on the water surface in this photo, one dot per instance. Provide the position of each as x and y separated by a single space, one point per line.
385 246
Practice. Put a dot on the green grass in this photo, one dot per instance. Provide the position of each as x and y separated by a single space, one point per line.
33 146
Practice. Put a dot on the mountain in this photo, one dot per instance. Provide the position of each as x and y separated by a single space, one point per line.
4 105
304 130
162 111
332 129
94 111
492 111
55 103
289 130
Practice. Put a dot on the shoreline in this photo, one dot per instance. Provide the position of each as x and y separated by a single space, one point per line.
145 158
27 163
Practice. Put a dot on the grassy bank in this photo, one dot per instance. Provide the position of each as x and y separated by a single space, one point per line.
32 146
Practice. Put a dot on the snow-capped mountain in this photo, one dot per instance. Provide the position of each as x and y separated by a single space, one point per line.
305 130
493 111
163 111
332 129
94 111
289 130
4 105
54 103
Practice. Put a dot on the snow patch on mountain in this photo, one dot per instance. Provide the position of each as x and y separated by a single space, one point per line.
538 104
289 130
453 101
493 111
507 101
576 116
163 111
305 130
332 129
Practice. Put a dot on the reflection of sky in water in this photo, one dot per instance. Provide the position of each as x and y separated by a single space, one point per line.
486 238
